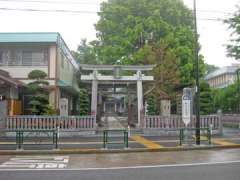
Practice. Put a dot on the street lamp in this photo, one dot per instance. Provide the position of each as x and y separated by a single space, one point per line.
197 94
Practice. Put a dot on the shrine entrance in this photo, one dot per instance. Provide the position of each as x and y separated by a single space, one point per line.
116 92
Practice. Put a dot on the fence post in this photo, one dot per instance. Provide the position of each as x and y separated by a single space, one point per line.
220 116
125 132
104 139
56 132
209 135
17 139
181 136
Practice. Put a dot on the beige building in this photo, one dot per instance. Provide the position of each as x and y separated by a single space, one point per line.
222 77
20 53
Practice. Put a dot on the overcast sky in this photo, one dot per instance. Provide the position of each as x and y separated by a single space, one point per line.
75 26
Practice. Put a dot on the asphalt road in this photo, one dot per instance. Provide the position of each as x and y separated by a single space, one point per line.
219 171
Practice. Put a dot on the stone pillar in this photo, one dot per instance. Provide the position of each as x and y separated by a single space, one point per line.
139 96
220 116
165 107
115 107
94 94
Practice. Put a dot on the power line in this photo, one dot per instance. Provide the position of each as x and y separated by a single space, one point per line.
95 3
210 19
48 10
51 2
216 12
78 12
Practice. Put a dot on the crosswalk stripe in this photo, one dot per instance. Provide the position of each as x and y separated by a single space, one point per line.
36 162
224 143
204 138
217 141
147 143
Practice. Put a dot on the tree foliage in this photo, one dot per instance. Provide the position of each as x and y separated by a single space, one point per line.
151 105
37 74
206 99
227 99
127 29
234 24
210 68
84 102
37 90
85 53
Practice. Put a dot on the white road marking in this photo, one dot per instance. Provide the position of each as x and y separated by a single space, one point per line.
127 167
38 162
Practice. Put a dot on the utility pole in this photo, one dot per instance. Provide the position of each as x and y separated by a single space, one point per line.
238 91
197 92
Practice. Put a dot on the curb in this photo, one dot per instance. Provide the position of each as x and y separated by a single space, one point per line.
109 151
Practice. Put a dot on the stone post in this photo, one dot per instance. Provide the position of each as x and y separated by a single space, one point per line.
139 96
94 94
220 116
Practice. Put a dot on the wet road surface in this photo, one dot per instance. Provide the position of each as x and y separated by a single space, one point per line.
226 171
184 165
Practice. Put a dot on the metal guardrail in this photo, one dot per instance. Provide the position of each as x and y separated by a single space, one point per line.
20 136
182 134
106 134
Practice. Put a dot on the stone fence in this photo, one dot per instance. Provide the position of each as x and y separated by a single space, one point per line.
175 122
231 120
51 122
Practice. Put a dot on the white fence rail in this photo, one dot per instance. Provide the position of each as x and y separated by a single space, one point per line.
231 120
175 122
51 122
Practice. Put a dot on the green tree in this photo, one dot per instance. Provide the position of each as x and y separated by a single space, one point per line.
234 24
128 30
210 68
151 102
227 99
38 91
85 53
206 99
84 102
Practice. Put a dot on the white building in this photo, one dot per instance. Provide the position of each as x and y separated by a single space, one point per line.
222 77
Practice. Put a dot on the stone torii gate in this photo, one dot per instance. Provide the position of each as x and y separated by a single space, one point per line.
96 79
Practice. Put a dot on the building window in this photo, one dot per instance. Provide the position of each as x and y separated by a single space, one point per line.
34 58
24 57
3 57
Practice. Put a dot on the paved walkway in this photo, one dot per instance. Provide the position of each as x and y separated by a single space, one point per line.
112 122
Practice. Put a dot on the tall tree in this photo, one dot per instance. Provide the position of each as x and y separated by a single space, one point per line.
127 28
234 24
